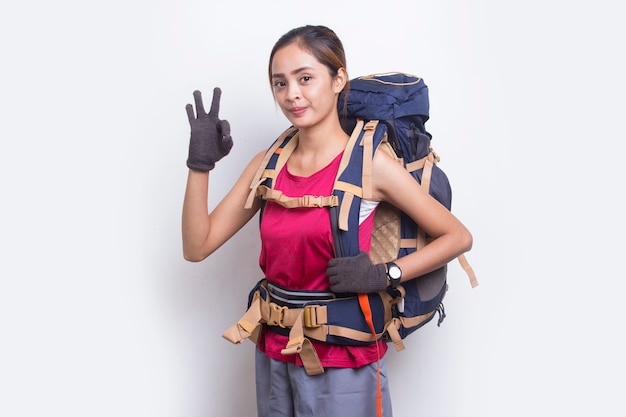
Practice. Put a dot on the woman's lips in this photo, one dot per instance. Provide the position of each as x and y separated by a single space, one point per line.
297 111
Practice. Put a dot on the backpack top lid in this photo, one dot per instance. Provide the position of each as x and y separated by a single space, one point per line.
387 97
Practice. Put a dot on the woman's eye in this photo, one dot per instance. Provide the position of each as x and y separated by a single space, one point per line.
305 78
279 84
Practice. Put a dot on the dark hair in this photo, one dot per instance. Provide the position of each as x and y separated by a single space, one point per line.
321 42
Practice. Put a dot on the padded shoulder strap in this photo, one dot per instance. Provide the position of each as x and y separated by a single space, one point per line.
275 159
269 170
354 183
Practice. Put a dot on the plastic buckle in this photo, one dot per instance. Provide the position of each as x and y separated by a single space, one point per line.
312 201
309 316
277 315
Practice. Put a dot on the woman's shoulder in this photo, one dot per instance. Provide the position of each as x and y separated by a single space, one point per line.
384 163
254 164
390 177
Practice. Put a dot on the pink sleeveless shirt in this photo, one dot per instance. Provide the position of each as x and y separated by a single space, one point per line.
296 245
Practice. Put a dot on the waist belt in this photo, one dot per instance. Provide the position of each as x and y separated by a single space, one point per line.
295 300
304 315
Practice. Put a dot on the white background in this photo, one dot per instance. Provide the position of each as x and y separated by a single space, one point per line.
101 316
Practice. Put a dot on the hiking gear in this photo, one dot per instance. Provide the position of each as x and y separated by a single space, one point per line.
273 339
210 137
330 320
356 274
394 274
385 112
394 108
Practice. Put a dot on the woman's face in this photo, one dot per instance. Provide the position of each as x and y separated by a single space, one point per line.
303 87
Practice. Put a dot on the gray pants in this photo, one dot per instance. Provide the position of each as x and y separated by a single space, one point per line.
285 390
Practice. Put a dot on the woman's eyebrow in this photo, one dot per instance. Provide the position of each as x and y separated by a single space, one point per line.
281 75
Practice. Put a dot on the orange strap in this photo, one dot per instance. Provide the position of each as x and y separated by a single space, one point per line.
364 303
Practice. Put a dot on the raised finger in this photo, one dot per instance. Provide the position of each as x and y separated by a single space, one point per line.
197 96
190 113
215 104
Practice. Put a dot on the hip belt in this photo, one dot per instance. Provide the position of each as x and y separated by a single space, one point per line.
304 315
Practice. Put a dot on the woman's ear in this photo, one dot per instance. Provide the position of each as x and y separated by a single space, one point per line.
340 80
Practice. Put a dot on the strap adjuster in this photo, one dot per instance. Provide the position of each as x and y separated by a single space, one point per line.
309 316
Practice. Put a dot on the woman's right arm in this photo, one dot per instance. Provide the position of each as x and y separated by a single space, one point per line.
204 232
210 141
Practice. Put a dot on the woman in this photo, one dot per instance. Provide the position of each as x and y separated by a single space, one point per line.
307 72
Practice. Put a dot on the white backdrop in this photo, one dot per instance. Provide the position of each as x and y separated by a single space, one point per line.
101 316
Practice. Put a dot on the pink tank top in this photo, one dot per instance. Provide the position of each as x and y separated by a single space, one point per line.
296 245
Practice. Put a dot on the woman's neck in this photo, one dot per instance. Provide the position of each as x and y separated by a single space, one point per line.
316 149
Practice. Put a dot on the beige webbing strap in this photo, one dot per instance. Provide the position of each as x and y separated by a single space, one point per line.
286 152
416 320
347 153
426 176
247 325
427 163
368 148
277 196
350 190
392 324
415 165
365 190
408 243
303 347
427 173
310 360
421 239
262 174
468 270
352 334
292 202
394 335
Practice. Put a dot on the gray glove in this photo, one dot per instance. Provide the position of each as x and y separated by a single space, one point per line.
356 274
210 137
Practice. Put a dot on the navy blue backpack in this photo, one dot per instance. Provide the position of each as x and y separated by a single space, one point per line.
396 106
384 112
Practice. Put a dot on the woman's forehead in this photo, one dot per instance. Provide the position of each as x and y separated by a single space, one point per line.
292 59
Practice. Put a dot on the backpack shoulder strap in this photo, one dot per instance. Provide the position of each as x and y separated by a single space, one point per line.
354 183
264 180
267 170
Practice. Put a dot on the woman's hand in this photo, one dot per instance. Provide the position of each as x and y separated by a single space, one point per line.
356 274
210 137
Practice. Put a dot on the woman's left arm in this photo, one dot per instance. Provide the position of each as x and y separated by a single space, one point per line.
393 184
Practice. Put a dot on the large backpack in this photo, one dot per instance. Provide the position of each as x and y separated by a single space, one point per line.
396 105
385 112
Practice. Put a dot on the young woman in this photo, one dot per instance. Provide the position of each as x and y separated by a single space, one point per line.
307 72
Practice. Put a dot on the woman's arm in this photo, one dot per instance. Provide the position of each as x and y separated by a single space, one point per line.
393 184
204 232
210 141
